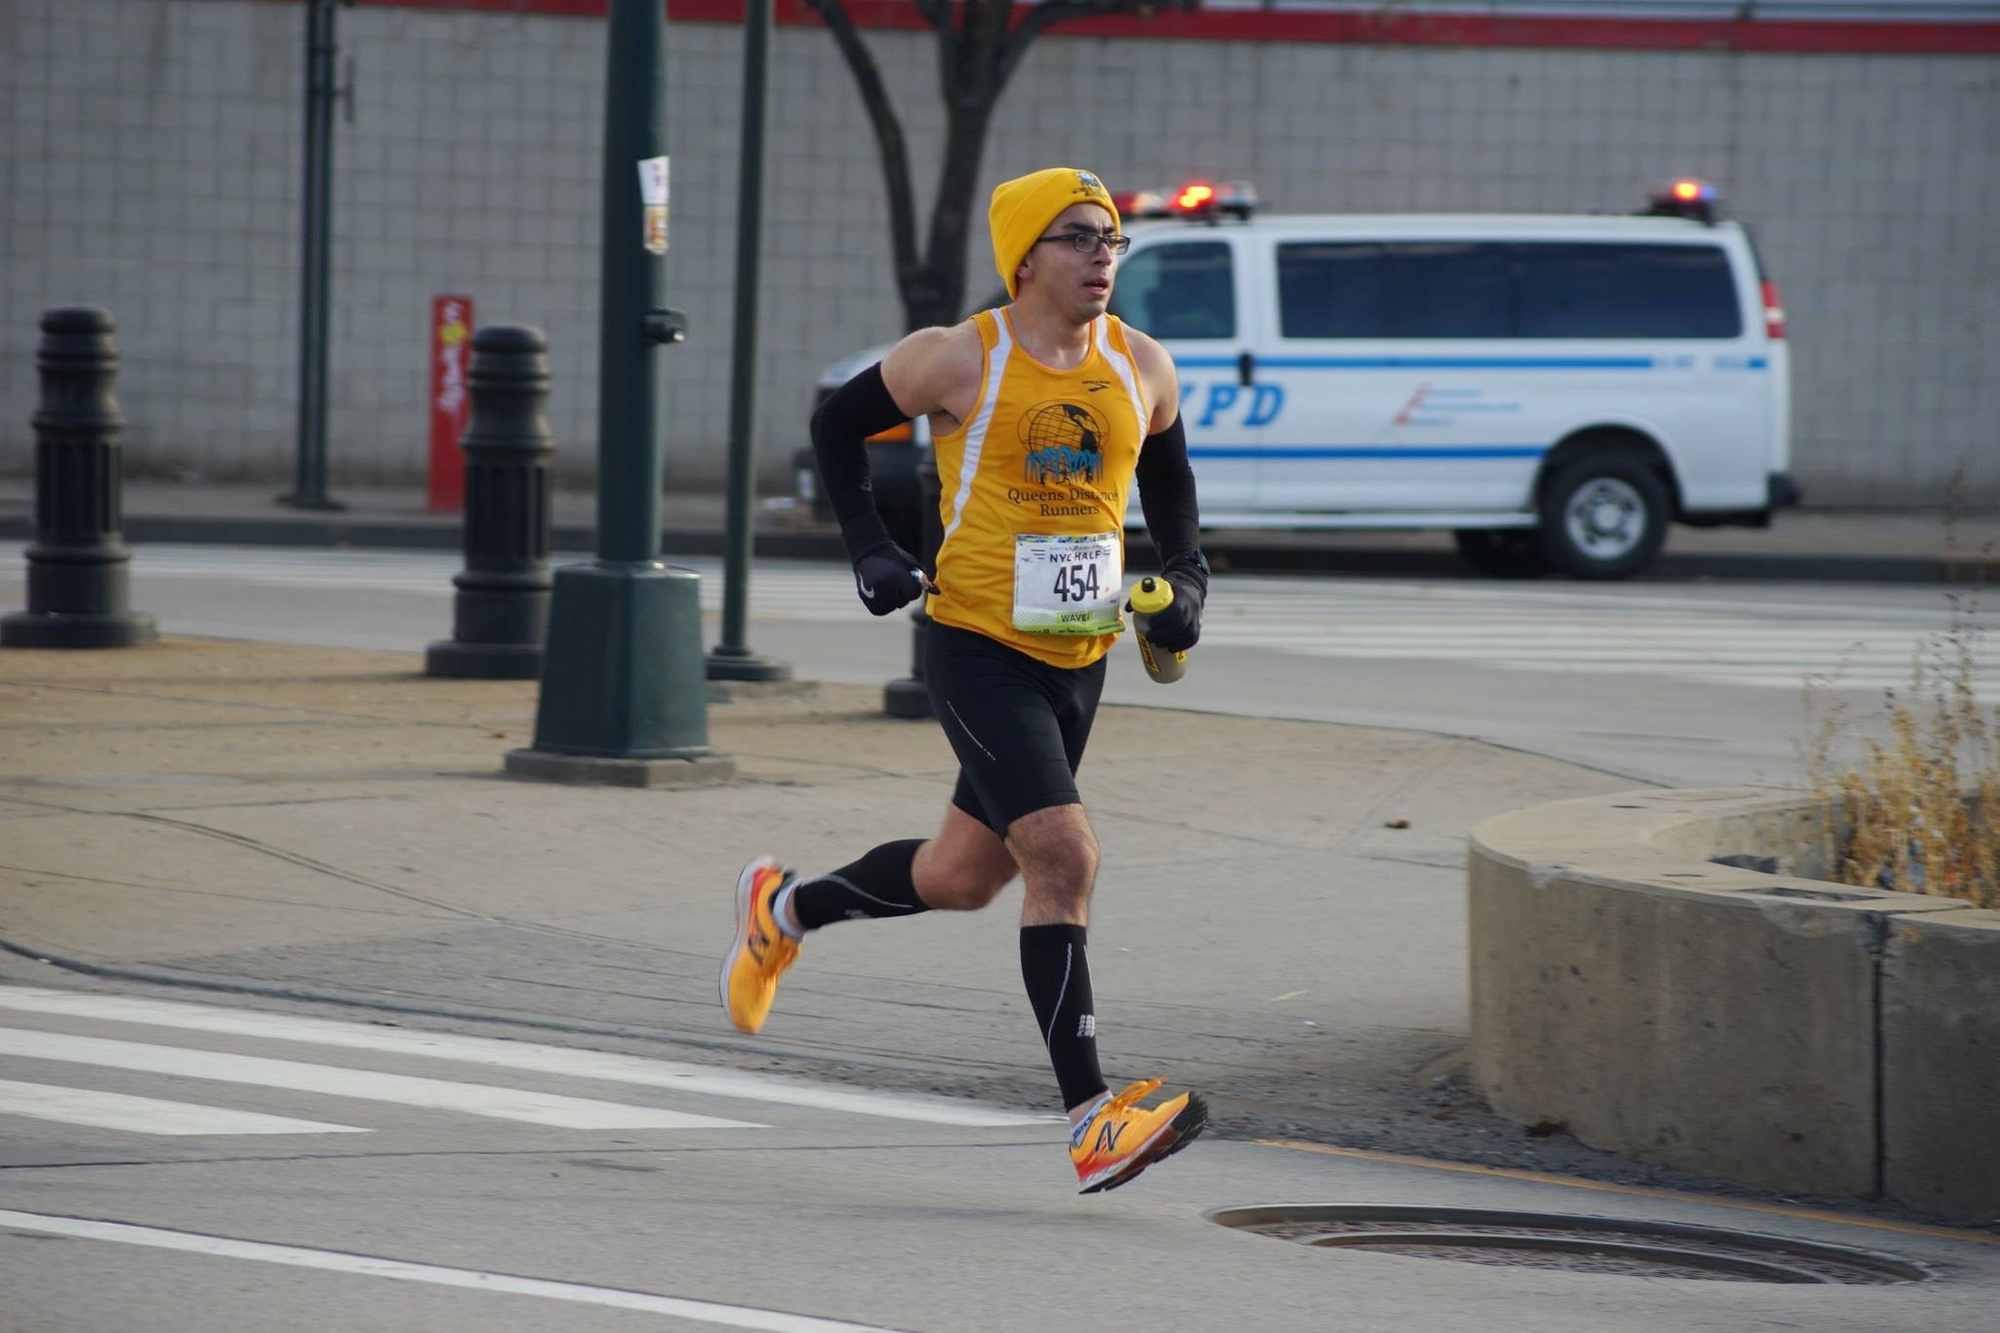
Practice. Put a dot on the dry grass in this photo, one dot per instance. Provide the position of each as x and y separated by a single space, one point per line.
1918 810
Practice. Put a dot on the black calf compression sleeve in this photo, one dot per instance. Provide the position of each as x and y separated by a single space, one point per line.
1056 968
879 884
840 429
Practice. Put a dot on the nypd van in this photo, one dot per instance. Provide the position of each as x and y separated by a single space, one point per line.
1555 390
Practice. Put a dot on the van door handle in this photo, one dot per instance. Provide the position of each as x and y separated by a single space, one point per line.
1244 365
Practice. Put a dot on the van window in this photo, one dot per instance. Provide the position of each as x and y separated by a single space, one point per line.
1495 290
1180 290
1431 290
1627 291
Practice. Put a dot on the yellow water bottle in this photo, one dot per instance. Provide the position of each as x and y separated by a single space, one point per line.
1150 597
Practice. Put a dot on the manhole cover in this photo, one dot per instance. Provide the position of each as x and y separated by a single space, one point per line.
1572 1244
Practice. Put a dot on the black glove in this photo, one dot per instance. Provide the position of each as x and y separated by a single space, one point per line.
888 578
1178 628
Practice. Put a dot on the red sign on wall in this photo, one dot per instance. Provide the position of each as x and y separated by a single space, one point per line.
451 400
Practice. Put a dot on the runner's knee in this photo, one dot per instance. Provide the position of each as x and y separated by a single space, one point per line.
962 879
1056 850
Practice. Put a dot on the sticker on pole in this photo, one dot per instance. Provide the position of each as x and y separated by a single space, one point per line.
653 194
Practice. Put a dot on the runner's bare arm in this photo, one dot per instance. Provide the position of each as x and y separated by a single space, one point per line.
1159 385
936 372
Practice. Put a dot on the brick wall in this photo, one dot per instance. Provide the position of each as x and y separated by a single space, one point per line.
151 152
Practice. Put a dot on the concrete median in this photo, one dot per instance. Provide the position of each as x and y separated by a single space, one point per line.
1774 1029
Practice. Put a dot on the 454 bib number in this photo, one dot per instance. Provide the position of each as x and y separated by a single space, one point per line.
1067 585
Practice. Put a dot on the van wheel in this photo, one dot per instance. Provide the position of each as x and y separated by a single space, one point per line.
1604 516
1505 553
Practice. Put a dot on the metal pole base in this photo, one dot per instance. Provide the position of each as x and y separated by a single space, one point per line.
622 675
908 697
320 503
62 629
594 771
483 661
726 663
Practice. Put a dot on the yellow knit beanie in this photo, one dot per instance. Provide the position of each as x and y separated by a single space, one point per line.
1022 207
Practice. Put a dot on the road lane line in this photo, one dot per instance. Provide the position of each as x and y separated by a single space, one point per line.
400 1270
534 1057
147 1115
338 1081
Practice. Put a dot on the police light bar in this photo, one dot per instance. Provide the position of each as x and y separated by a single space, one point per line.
1685 198
1195 199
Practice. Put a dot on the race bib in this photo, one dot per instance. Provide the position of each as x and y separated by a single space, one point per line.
1067 585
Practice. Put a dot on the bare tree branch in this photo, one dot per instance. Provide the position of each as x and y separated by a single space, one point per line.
983 37
939 12
979 47
888 129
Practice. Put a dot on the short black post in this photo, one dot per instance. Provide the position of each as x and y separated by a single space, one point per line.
500 616
79 587
909 696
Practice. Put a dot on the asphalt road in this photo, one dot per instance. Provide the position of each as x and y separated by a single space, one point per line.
1692 684
299 1171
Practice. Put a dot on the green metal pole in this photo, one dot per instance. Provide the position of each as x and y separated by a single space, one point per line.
622 675
732 658
632 283
309 488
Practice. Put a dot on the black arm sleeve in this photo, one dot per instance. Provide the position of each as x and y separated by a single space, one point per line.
840 429
1166 496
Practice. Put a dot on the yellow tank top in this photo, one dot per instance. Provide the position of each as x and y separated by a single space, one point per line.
1045 453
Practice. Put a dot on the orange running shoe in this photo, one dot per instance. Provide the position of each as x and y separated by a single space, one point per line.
761 952
1120 1138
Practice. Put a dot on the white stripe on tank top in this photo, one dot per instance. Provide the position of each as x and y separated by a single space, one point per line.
1125 372
975 434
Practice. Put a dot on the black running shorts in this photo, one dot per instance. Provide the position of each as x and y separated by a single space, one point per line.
1017 725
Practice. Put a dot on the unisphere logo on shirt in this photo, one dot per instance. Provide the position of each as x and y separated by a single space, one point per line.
1065 443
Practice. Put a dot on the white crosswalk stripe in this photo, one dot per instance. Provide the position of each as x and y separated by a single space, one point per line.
328 1080
44 1102
1738 643
147 1115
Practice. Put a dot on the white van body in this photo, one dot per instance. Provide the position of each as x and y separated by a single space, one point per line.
1555 389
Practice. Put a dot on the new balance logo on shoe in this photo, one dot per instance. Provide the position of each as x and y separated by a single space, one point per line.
1114 1156
761 951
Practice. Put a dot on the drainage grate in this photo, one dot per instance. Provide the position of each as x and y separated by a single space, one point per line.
1571 1244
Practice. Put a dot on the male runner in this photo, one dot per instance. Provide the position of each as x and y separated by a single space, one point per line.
1042 413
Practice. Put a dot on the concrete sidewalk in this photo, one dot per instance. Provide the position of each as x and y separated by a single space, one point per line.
1285 930
1878 545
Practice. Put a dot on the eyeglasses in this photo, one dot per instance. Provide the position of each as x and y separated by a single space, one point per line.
1086 242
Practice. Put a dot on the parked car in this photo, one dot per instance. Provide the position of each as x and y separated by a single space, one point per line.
1554 389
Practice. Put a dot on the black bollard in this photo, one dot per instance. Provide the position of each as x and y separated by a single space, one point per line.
909 696
500 617
79 586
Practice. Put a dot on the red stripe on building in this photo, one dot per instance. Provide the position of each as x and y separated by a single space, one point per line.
1377 27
